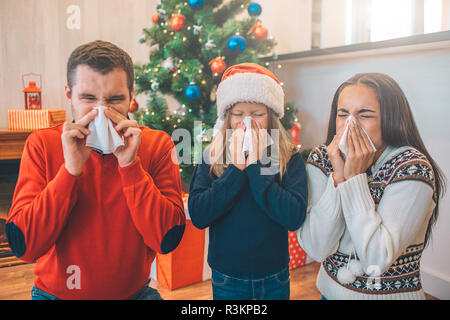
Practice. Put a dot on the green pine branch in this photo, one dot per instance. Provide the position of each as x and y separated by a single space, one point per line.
191 62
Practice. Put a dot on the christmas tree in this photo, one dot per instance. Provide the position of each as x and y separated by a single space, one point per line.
191 45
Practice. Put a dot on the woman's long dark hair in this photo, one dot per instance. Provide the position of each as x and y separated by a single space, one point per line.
398 127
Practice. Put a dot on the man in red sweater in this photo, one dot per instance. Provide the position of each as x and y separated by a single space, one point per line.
93 222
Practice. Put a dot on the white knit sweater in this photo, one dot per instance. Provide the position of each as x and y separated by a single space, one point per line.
382 216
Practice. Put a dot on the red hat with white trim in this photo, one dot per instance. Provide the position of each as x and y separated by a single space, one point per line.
248 82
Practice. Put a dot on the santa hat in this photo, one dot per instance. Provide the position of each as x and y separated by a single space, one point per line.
248 82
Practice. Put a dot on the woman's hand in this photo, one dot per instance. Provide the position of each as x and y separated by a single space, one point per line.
336 159
360 153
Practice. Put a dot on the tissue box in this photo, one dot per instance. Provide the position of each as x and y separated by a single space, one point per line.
19 119
187 264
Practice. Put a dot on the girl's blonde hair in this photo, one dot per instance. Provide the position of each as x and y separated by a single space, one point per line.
218 152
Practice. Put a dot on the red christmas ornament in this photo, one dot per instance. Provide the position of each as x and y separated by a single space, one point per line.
295 133
156 18
177 22
218 65
259 31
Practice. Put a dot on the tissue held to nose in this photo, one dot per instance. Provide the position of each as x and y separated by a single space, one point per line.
103 136
343 143
247 143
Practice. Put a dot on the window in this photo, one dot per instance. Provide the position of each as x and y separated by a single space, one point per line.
432 16
377 20
391 19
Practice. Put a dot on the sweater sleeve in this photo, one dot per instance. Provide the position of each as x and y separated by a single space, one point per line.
284 202
40 208
211 199
155 201
379 236
324 224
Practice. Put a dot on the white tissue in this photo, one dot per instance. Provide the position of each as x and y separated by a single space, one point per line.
247 146
103 136
343 143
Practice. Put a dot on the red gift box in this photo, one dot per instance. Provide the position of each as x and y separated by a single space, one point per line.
297 255
187 264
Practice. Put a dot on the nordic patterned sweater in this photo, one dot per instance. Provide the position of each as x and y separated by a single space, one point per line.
381 216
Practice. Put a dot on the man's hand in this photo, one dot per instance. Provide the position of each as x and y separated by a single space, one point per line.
129 129
73 140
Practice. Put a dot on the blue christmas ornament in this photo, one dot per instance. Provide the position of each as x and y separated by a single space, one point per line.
237 44
192 92
196 4
254 9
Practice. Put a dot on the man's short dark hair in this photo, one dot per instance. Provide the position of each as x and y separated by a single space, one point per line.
103 57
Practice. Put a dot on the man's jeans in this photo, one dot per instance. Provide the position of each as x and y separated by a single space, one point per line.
146 293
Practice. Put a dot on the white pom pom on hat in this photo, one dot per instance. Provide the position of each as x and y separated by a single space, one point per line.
248 82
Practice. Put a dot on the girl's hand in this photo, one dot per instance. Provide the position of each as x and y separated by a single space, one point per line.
236 142
360 153
259 143
336 159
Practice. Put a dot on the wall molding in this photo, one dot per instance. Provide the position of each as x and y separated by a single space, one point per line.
428 41
435 283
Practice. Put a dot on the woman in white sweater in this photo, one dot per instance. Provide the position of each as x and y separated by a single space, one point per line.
374 195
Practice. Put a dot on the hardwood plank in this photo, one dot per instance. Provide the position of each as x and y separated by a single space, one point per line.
16 282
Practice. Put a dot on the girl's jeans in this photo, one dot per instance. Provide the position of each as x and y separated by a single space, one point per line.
247 287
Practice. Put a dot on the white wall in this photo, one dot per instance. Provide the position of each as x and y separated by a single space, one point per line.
289 22
35 38
425 78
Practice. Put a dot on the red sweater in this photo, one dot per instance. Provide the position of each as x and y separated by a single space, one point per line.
106 224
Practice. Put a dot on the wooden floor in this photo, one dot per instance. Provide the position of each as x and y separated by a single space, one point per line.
16 282
303 287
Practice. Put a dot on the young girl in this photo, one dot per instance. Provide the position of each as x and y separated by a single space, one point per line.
372 207
248 206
